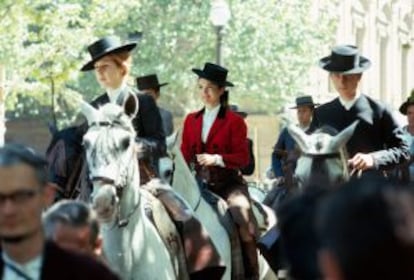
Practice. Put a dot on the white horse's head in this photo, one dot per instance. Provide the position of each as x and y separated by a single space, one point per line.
111 155
323 159
166 164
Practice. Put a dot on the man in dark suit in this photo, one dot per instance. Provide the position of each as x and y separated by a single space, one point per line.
149 85
283 155
24 194
378 142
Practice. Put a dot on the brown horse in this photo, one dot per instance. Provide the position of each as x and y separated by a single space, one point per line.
65 161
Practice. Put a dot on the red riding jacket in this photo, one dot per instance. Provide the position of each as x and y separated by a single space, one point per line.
227 137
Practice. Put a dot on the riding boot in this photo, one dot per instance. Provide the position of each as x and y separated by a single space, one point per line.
250 260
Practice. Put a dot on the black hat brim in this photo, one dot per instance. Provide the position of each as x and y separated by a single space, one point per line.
305 104
90 65
364 64
203 75
152 86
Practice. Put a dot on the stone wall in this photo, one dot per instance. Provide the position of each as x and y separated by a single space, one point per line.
30 132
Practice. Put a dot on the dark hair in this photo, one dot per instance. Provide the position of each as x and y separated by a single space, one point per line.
298 237
368 227
13 153
73 213
224 98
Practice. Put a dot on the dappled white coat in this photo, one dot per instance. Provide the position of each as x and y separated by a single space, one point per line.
135 251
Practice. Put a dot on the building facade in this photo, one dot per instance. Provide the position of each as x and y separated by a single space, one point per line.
383 31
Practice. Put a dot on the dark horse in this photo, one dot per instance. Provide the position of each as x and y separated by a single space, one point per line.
65 161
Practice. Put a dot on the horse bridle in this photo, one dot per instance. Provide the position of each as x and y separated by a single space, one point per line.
119 189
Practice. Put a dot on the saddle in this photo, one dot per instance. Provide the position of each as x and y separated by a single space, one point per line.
186 239
265 228
159 216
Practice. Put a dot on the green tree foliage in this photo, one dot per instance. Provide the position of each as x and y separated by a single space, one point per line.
269 47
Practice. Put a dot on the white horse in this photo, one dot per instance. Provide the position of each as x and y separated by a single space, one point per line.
175 169
131 243
323 159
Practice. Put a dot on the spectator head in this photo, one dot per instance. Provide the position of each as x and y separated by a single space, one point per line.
24 193
73 225
298 236
366 230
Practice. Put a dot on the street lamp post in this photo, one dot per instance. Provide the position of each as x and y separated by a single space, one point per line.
219 16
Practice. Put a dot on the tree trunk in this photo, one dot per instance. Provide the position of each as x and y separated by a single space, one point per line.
2 104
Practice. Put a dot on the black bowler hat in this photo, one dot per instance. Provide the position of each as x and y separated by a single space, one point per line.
214 73
345 59
305 100
105 46
404 106
148 82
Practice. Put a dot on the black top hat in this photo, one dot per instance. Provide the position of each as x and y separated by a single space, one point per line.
105 46
214 73
149 81
305 100
345 59
410 101
235 109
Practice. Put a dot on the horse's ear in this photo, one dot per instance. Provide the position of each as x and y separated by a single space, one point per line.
342 138
90 113
300 137
131 105
171 139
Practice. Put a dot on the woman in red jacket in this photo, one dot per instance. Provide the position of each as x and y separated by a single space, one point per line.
214 144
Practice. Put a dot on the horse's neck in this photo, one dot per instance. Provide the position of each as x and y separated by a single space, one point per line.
131 194
119 246
184 181
131 249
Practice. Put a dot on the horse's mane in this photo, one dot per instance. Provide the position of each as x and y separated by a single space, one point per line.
72 136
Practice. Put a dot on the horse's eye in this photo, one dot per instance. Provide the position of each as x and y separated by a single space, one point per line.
125 143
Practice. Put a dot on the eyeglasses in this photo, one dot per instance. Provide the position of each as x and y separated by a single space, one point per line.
18 197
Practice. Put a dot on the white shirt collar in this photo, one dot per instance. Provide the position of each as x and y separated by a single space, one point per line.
304 128
212 111
209 117
32 268
349 103
114 93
